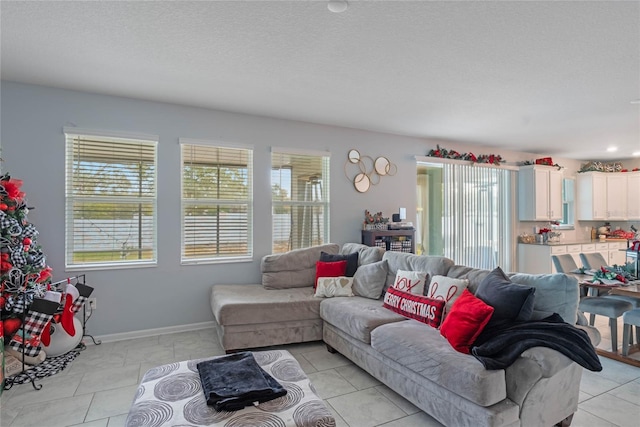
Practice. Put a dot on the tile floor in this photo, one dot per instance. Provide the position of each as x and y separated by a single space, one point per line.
97 388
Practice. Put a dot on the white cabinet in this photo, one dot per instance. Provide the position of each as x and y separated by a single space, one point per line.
602 196
536 259
633 196
539 193
616 256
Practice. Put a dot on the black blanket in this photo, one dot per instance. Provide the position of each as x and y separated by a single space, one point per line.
232 382
500 347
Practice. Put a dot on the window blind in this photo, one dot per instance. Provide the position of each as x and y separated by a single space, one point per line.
217 200
300 195
110 200
477 222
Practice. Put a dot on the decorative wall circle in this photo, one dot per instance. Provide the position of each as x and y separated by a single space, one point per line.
353 156
368 175
362 182
381 166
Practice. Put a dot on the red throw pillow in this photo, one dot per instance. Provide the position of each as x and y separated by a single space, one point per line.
329 269
466 320
423 309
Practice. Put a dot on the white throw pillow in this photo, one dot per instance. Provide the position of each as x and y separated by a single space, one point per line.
329 287
447 289
410 281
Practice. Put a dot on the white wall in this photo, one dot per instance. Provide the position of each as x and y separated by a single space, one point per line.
170 294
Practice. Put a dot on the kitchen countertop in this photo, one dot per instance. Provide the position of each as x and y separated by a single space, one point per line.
574 242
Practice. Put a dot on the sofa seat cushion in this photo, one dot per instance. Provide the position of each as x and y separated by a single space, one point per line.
251 304
422 349
357 316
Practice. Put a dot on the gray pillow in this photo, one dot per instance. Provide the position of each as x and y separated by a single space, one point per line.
370 279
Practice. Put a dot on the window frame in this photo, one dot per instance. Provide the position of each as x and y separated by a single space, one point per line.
325 203
249 203
568 221
108 137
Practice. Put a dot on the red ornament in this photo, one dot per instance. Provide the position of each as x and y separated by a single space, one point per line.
26 241
11 326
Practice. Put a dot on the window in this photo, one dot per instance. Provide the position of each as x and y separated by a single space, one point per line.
110 199
465 212
568 200
217 200
300 194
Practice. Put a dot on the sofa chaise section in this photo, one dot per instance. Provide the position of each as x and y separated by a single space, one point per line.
249 316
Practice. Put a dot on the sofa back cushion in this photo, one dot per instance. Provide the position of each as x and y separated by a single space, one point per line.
555 293
432 265
366 254
293 269
475 276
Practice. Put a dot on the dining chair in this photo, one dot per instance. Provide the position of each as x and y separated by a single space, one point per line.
593 261
564 263
629 320
608 307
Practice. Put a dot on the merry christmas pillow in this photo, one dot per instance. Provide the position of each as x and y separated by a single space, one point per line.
418 307
410 281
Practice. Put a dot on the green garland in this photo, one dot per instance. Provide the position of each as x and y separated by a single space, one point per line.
443 153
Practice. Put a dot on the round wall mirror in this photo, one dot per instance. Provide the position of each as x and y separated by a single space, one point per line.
361 182
382 166
354 156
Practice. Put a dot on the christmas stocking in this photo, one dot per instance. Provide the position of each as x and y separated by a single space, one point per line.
46 333
71 295
85 291
28 337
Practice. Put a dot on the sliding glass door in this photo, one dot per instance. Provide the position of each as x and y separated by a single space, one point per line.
465 212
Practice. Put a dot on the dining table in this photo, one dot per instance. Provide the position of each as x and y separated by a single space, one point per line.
631 289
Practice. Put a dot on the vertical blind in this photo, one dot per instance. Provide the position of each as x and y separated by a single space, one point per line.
217 199
478 216
110 200
300 194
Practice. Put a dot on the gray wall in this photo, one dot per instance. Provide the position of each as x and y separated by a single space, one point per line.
170 294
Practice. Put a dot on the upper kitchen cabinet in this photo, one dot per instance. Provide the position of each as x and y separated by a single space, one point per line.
539 193
633 196
602 196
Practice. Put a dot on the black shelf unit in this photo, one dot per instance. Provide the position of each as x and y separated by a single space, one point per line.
391 240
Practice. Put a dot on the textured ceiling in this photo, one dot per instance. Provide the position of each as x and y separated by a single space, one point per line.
551 77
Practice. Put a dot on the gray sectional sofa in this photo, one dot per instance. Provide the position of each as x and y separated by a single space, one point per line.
540 389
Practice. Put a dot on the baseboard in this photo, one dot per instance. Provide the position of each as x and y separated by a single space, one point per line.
149 332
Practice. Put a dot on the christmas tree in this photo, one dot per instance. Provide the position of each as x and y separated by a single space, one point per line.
24 274
24 277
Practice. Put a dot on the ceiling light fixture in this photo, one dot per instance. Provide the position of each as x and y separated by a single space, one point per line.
635 153
338 6
636 101
612 149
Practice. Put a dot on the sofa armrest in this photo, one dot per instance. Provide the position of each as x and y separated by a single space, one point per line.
533 365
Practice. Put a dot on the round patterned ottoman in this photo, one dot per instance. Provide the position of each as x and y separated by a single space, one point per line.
171 395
